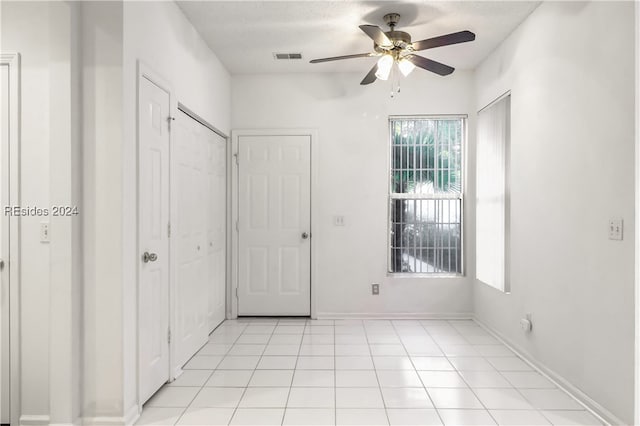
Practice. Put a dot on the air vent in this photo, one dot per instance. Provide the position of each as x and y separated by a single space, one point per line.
287 56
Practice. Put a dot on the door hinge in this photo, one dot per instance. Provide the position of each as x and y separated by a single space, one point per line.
236 292
170 119
237 158
169 335
169 229
237 225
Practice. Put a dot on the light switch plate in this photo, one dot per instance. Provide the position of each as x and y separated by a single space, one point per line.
338 220
615 229
44 232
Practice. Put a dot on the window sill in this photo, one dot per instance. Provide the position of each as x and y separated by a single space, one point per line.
422 275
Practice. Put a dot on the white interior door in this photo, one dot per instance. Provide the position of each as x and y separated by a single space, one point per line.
153 115
274 215
189 236
5 370
217 230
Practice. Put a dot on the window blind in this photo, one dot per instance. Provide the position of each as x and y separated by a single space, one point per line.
492 201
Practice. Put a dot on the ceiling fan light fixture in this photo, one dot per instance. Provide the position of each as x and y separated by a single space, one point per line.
406 66
384 67
397 47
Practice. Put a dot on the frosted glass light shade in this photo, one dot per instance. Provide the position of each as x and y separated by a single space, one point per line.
406 67
384 67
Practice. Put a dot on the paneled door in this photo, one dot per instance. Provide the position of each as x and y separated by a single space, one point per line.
274 225
153 293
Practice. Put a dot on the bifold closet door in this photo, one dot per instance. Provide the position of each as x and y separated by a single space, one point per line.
217 217
189 237
198 237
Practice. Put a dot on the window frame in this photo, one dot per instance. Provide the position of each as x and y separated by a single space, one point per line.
463 189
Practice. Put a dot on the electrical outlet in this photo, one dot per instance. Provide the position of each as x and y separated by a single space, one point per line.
615 229
375 289
338 220
44 232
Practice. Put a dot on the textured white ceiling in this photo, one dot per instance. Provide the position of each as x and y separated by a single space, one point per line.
245 34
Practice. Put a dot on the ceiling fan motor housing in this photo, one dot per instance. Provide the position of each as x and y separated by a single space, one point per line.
400 40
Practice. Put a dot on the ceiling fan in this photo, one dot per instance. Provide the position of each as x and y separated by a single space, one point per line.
395 47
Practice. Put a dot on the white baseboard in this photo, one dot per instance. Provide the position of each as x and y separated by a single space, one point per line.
128 419
27 419
400 315
583 399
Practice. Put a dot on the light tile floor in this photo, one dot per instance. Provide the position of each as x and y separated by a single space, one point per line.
359 372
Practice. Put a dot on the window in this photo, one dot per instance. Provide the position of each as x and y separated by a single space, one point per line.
492 194
425 195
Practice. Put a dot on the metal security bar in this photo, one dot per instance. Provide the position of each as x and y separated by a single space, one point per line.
425 219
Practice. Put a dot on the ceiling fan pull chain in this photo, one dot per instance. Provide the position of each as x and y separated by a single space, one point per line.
392 80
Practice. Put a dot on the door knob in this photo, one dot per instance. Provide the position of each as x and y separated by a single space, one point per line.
149 257
305 235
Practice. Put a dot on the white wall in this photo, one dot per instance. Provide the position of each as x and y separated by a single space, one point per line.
160 36
103 325
97 43
41 33
352 125
34 47
570 69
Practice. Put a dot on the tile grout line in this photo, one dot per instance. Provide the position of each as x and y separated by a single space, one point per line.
534 369
470 388
456 330
375 370
286 404
335 378
254 370
447 358
416 370
203 385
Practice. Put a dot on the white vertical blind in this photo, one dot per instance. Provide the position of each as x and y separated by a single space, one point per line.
492 208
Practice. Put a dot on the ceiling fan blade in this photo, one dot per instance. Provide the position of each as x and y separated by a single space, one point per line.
444 40
337 58
430 65
371 76
377 35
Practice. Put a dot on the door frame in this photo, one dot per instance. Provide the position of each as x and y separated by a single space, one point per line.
12 224
233 232
636 402
146 72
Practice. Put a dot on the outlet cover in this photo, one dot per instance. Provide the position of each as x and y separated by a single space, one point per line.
375 289
338 220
